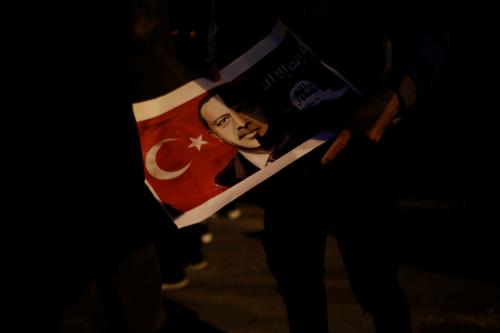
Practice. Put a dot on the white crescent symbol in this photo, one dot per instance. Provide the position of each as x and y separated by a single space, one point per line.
153 168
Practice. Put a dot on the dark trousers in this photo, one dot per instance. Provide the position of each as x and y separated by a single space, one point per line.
176 248
122 296
351 196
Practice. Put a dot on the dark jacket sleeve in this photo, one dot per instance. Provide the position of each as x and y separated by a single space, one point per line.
420 35
349 35
235 171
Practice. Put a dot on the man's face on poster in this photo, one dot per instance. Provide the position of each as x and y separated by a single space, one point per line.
236 128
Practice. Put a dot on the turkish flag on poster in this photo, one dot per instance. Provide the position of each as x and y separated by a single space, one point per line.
279 85
181 158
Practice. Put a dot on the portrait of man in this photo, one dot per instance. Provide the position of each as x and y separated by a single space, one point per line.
236 118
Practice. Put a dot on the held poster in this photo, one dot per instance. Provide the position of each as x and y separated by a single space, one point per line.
206 143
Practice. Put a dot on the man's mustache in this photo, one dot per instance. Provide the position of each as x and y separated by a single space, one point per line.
247 129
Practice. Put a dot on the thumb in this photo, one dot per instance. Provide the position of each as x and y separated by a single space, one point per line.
340 142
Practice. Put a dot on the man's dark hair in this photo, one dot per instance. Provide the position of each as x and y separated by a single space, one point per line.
233 96
220 91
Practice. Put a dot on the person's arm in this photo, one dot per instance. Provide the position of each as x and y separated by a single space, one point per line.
418 46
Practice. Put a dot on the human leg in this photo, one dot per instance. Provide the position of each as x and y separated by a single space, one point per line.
122 296
169 247
137 285
371 264
193 257
366 233
294 242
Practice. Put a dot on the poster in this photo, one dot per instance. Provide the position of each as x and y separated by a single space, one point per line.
206 143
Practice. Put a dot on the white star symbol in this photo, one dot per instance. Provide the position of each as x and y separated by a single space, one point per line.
197 143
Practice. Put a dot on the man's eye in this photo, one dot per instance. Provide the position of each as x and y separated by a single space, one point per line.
223 121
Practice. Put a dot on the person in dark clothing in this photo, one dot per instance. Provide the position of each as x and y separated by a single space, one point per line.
94 253
393 59
392 51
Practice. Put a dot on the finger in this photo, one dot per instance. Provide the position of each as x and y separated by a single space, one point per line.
385 119
337 146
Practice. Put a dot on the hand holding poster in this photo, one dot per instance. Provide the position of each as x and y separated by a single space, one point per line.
206 143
